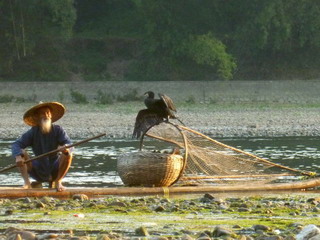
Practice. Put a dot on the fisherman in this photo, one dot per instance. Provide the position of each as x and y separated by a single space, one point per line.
43 137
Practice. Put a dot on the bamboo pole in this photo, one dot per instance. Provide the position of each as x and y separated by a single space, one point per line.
164 191
53 152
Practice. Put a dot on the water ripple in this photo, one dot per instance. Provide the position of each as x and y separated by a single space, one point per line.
95 162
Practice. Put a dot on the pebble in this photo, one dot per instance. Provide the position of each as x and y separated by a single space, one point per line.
187 237
117 204
141 231
160 209
8 212
219 232
14 234
244 209
209 196
47 236
80 197
308 232
103 237
40 205
261 227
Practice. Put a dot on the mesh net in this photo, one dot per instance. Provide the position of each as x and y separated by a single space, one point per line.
208 160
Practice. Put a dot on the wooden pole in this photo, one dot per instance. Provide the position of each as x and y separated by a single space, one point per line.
163 191
53 152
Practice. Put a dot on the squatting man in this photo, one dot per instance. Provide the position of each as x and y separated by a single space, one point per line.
43 137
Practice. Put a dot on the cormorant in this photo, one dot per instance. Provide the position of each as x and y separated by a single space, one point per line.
145 119
158 110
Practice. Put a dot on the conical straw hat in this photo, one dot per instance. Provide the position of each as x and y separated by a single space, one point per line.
57 111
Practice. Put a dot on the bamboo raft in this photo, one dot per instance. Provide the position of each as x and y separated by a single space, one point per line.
162 191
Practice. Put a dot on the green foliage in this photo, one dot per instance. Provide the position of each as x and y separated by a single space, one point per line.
207 50
10 98
78 97
104 98
132 95
32 38
6 98
160 40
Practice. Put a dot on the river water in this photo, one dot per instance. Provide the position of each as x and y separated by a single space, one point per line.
95 162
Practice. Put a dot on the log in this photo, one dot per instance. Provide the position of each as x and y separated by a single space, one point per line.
164 191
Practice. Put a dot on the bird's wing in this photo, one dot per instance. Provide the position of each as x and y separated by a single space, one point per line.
168 101
145 119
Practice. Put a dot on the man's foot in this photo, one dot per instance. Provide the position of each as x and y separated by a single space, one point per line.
59 187
26 186
36 185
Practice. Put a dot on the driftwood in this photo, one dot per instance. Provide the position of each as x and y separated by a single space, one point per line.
164 191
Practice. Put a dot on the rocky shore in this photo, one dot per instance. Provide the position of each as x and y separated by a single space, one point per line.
216 108
203 217
117 120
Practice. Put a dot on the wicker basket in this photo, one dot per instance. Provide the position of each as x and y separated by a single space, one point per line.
149 169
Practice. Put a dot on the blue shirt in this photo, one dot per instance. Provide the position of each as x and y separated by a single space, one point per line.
40 144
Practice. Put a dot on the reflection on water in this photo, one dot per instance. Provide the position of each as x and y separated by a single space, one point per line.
95 163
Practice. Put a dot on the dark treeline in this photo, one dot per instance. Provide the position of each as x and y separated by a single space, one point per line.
92 40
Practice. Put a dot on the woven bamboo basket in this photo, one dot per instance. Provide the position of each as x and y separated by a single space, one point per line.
149 169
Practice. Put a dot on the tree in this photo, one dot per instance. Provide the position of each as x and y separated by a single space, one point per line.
33 32
179 36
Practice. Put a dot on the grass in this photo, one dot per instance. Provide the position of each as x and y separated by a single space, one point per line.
194 218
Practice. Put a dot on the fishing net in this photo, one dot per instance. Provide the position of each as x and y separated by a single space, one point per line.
209 161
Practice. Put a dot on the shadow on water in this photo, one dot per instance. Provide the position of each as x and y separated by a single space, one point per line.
95 163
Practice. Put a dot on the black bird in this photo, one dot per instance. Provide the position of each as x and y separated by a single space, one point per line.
164 106
145 119
158 110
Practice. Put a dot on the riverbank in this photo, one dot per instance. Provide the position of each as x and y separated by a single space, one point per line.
217 108
202 217
215 119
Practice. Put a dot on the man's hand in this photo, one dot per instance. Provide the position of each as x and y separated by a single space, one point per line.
64 150
19 161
